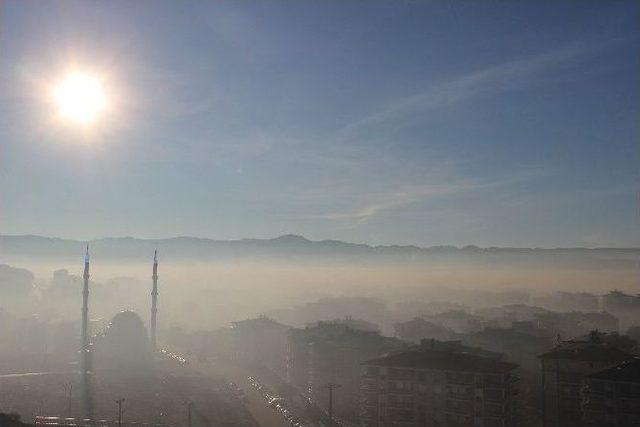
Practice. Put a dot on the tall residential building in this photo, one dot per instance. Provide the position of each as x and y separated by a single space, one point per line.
330 353
519 345
611 398
437 388
574 324
624 306
417 329
261 340
563 375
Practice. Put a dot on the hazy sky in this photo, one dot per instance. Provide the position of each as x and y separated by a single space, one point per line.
489 123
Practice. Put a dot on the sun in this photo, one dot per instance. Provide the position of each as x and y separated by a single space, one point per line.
80 98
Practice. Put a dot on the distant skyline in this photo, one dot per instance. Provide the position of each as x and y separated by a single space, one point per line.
288 238
427 123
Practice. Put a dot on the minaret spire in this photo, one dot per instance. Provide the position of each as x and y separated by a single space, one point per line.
154 300
85 349
85 303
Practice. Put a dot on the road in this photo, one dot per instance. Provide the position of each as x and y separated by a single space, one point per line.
35 374
255 403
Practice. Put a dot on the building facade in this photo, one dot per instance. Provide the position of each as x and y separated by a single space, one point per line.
261 340
611 398
564 370
437 388
417 329
330 353
625 307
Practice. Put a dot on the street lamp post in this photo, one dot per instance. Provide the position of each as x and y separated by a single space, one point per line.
119 402
331 386
70 395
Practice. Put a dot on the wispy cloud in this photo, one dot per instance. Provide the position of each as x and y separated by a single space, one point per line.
396 199
409 195
455 90
495 79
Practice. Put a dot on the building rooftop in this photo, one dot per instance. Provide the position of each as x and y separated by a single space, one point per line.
420 321
443 360
342 335
456 346
627 371
575 315
126 320
586 352
356 324
261 321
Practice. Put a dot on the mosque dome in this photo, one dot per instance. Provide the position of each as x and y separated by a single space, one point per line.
124 343
127 323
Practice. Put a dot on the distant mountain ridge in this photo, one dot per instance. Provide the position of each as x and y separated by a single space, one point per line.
288 246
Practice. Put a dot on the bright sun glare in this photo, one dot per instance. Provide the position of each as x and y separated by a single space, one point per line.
80 98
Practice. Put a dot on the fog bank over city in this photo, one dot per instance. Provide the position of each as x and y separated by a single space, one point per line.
255 330
208 283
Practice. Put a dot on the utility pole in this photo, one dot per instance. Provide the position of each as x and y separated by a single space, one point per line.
189 405
331 386
70 394
119 402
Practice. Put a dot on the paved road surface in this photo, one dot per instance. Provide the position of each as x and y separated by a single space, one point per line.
256 404
35 374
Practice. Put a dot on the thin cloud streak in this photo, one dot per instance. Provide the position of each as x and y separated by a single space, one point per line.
416 194
493 79
506 76
397 199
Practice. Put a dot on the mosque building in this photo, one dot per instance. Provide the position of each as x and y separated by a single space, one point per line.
125 343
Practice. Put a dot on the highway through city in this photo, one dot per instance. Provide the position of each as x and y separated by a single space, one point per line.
259 408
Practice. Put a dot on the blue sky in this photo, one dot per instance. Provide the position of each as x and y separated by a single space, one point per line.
488 123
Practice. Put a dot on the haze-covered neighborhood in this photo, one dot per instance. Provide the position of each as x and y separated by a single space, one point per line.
393 354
